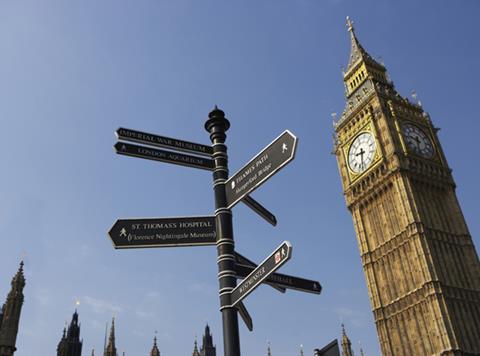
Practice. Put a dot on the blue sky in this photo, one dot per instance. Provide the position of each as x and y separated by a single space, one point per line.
72 72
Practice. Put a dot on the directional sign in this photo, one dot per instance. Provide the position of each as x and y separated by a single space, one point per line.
283 280
162 141
164 232
331 349
163 156
260 168
273 262
247 319
242 261
260 210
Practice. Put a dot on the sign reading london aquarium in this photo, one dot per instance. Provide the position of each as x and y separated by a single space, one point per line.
164 232
154 154
215 229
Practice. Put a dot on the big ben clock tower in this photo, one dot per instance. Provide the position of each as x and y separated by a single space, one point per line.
421 268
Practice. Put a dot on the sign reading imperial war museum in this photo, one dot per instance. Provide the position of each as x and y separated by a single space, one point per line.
164 232
260 168
218 229
162 141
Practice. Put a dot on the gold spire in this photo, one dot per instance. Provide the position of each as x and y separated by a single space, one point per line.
111 349
357 52
346 344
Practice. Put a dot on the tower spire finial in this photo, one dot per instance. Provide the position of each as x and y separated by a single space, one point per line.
155 351
350 24
357 52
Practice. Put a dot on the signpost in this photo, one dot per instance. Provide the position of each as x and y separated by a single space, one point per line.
245 264
260 210
164 232
218 229
261 167
283 281
247 319
331 349
273 262
162 141
154 154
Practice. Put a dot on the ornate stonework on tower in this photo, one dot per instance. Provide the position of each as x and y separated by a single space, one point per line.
10 314
70 344
208 349
421 268
155 351
111 349
346 344
195 348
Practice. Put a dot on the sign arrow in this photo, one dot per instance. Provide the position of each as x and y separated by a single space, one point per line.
273 262
331 349
243 264
154 154
247 319
283 281
162 141
164 232
260 210
260 168
278 281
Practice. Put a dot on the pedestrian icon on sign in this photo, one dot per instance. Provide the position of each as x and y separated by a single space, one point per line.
123 232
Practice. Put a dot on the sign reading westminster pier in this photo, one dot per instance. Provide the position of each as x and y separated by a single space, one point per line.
164 232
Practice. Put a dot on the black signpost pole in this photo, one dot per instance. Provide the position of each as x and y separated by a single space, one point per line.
217 125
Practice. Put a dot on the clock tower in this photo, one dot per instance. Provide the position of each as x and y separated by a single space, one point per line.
420 264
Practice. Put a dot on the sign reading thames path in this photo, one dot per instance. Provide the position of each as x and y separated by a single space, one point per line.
218 229
261 167
164 232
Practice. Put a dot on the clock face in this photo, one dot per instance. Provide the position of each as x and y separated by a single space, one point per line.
417 140
361 152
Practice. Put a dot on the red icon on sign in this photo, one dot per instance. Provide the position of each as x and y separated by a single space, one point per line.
277 257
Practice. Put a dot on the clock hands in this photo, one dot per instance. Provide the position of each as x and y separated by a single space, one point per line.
418 141
361 153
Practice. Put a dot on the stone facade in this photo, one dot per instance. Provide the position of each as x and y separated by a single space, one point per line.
70 343
10 314
420 264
